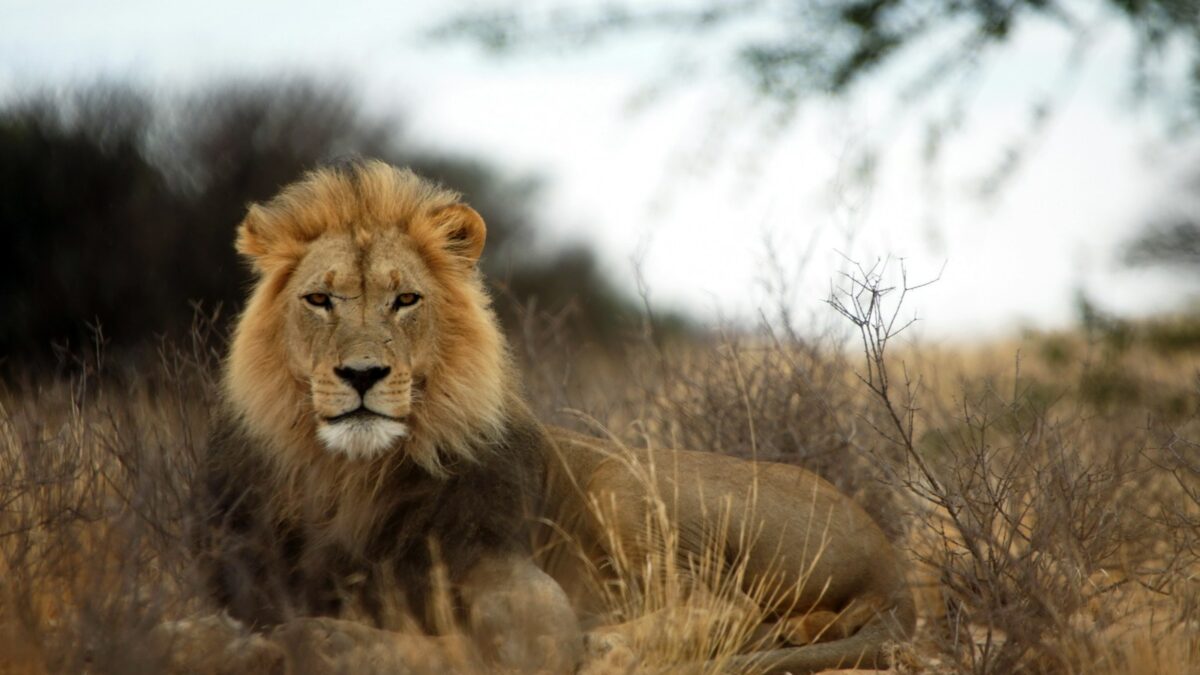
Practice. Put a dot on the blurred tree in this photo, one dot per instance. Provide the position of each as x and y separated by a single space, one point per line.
75 193
1174 243
119 210
789 50
1171 238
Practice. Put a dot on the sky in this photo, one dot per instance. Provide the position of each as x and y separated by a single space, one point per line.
701 191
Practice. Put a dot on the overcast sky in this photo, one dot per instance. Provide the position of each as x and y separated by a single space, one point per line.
697 184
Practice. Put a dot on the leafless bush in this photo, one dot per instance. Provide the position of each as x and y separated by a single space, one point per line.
1037 519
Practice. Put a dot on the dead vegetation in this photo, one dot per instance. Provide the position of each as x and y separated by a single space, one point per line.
1047 491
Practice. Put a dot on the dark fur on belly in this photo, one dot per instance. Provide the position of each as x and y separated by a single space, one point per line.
264 571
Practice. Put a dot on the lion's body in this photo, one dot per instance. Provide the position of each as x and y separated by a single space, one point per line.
777 515
773 535
374 451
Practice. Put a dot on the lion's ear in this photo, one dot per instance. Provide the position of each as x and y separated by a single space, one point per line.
261 250
462 230
250 241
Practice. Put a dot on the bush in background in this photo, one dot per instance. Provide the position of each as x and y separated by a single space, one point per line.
119 209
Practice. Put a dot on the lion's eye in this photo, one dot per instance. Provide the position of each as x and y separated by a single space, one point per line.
405 300
321 300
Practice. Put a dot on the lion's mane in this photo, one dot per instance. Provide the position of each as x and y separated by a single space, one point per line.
472 452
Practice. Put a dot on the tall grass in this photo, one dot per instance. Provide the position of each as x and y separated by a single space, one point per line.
1052 519
95 473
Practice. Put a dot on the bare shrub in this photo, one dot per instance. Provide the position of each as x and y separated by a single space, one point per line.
1040 521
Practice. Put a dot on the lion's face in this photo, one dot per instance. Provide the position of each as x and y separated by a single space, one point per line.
369 331
359 331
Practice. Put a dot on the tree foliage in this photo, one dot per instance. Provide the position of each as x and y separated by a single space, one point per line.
790 49
119 208
1174 243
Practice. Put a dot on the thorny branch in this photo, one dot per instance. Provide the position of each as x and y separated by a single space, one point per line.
861 301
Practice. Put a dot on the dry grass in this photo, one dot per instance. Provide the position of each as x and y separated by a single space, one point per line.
1050 502
94 481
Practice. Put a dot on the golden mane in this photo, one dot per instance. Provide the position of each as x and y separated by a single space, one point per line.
469 389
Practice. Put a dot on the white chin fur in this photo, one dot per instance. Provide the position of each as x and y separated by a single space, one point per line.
361 438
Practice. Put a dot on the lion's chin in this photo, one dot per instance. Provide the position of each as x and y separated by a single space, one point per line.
359 438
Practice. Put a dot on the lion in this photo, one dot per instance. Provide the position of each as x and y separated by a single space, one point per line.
373 459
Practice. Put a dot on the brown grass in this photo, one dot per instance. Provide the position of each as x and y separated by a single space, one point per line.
1050 501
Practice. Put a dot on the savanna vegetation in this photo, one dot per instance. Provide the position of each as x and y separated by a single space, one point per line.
1045 488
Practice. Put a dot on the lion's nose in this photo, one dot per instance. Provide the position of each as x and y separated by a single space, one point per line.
362 379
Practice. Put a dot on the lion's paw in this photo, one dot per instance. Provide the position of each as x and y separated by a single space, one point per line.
218 645
321 646
607 653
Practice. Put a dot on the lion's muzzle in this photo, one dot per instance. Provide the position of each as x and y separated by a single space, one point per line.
363 408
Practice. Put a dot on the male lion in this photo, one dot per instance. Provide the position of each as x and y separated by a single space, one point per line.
373 459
